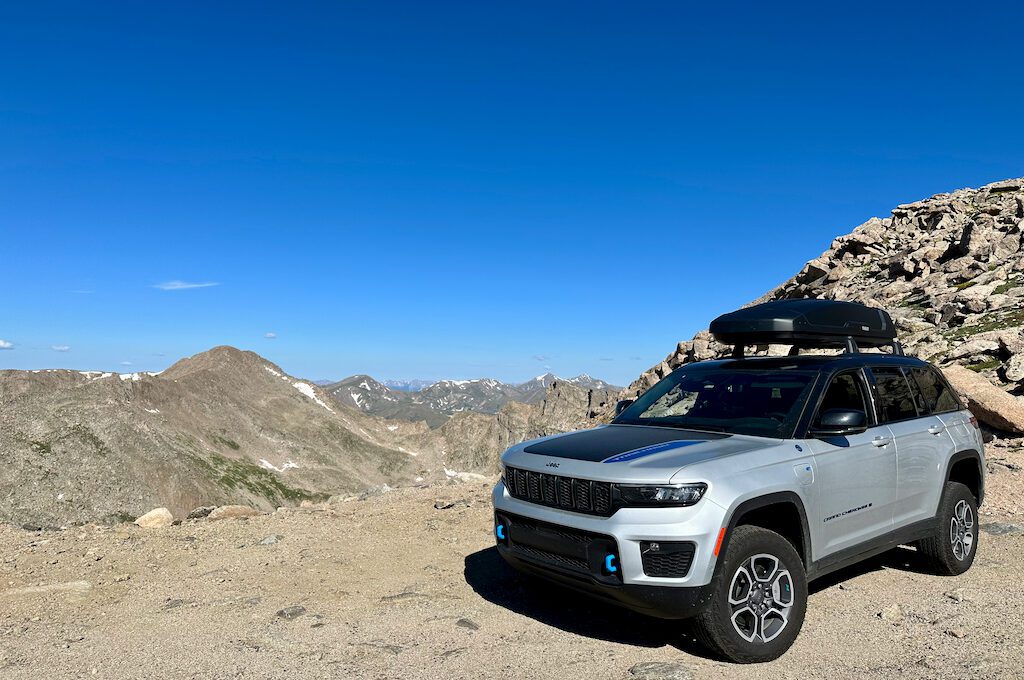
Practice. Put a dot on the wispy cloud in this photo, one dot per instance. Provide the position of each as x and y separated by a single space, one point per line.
605 359
270 335
183 285
82 292
6 345
541 358
126 363
60 348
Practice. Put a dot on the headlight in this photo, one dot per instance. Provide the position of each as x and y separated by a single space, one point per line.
658 496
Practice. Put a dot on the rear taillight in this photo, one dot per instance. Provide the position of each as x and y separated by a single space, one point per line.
974 422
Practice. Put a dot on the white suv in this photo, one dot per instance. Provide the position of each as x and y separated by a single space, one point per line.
720 492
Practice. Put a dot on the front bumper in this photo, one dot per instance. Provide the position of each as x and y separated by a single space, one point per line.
576 556
663 602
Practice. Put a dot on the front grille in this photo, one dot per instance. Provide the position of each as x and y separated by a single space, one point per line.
567 493
666 560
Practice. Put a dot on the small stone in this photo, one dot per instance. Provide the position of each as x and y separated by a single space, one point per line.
449 504
272 539
154 519
892 613
201 512
661 670
467 623
232 512
958 633
122 578
956 595
291 613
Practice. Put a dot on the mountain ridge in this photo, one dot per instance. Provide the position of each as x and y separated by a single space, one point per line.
441 399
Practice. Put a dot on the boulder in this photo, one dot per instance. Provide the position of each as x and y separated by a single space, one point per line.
232 512
159 517
1015 368
990 404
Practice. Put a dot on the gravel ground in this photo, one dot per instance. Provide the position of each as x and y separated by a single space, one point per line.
391 587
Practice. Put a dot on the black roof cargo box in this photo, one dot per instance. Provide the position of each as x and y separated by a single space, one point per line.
806 323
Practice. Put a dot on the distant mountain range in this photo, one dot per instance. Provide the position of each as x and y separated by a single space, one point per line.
228 426
438 401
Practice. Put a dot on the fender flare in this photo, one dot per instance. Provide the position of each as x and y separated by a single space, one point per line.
966 454
787 497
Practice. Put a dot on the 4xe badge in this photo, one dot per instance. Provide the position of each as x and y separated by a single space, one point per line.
552 464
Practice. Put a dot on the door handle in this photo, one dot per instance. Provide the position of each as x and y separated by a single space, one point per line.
881 441
937 429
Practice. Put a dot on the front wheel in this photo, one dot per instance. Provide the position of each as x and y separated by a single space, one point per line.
951 549
758 604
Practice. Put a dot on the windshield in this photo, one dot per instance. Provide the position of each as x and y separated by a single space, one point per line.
764 403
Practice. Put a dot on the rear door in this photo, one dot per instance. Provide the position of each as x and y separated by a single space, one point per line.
921 443
856 474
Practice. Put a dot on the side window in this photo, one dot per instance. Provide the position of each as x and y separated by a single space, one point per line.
938 396
845 392
896 401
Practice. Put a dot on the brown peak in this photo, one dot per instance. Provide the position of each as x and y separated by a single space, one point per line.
222 357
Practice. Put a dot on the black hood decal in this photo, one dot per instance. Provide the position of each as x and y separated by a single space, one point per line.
604 442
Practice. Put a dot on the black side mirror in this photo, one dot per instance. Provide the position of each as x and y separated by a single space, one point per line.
622 405
838 422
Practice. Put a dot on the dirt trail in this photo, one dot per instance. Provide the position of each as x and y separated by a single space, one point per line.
391 587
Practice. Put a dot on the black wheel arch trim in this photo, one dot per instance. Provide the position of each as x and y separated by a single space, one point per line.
966 454
775 498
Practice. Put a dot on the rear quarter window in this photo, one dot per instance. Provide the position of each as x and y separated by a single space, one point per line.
896 401
938 396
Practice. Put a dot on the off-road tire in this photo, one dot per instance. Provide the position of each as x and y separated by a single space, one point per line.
951 550
715 627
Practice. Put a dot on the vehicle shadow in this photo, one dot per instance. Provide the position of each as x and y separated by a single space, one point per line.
497 582
901 558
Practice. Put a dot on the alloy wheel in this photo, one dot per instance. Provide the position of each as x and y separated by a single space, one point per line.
961 530
760 597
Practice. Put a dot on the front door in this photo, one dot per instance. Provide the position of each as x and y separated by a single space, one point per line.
855 474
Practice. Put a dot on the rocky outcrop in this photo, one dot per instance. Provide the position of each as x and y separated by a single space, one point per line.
949 271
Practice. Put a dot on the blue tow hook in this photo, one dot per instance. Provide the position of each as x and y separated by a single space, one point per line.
609 567
500 532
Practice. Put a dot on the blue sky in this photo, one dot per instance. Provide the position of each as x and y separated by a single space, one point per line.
462 189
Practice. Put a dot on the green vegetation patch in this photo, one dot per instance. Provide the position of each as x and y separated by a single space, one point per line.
40 447
89 438
235 475
985 365
990 322
919 302
1007 285
965 284
218 440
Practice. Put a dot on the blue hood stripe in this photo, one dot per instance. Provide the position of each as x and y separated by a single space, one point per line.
651 450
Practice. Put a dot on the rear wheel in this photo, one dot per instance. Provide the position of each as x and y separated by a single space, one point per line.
759 602
951 549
